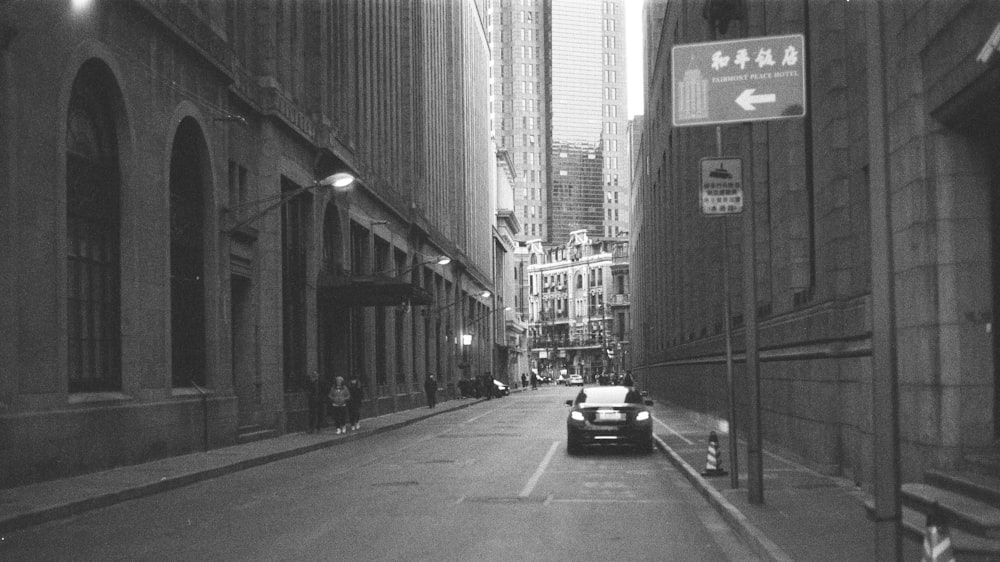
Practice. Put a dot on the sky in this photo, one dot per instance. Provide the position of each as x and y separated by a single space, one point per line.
633 55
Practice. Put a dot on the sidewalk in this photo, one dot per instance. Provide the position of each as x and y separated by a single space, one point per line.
805 516
33 504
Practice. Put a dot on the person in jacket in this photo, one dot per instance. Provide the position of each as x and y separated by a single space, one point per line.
339 395
627 379
430 389
354 403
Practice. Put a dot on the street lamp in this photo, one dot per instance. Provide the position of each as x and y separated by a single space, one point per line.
439 260
440 309
340 182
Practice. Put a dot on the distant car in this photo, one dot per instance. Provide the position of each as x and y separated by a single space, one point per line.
544 379
501 388
562 379
609 415
575 380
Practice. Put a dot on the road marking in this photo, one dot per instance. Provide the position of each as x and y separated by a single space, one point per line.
671 430
615 500
539 471
479 416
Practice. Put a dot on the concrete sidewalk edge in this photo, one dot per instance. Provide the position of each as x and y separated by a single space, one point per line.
69 509
756 539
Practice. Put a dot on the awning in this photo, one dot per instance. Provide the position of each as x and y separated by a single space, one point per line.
371 290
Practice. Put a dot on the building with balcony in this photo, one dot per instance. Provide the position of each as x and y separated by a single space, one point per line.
577 321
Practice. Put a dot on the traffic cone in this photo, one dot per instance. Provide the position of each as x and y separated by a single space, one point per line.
712 463
937 538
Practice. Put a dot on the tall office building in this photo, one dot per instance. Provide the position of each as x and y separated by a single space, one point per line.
559 107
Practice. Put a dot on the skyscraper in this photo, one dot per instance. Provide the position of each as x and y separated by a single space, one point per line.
559 107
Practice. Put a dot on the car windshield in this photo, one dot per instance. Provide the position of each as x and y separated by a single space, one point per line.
609 395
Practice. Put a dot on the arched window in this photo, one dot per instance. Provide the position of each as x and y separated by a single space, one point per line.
93 230
579 281
187 268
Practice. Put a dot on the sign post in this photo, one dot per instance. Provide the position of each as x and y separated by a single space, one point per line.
722 196
752 79
721 186
740 81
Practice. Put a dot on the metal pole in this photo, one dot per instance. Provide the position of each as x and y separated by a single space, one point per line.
734 471
885 391
755 452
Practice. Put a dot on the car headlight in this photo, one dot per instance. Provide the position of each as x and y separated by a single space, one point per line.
578 416
642 416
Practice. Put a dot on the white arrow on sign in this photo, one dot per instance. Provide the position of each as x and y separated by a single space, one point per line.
747 99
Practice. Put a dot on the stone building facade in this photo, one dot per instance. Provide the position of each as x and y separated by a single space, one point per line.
578 306
174 269
814 184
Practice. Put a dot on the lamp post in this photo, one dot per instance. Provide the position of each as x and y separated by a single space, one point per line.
439 260
340 181
469 332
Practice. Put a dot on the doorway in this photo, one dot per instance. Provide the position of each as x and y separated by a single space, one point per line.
246 380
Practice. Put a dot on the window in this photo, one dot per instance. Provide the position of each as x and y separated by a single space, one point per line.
93 231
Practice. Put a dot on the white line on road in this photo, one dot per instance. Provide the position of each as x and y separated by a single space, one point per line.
479 416
539 471
671 430
613 500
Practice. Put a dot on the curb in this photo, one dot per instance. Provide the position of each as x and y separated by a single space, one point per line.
756 539
69 509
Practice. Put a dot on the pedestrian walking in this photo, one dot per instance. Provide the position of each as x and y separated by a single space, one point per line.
627 379
524 380
534 381
354 403
317 402
431 389
339 395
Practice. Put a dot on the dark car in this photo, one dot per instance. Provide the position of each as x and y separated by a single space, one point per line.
609 415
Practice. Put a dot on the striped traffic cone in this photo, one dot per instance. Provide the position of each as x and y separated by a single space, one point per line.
937 538
712 463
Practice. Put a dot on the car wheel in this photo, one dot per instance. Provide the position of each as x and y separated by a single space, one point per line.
572 448
648 446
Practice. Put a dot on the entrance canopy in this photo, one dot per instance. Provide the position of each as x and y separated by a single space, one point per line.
371 290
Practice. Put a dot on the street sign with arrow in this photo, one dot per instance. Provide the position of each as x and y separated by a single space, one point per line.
752 79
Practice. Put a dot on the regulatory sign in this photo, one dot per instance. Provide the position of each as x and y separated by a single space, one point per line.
752 79
721 186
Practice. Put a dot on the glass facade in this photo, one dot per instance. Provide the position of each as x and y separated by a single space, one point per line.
559 107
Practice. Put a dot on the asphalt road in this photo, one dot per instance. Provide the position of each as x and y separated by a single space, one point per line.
489 482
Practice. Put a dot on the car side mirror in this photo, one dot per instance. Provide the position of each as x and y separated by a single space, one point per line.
649 402
569 402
